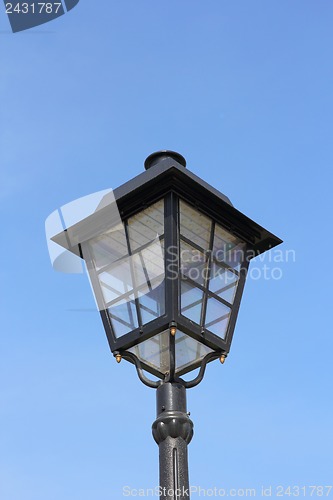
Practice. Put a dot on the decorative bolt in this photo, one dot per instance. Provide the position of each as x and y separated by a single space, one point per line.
222 358
173 330
118 358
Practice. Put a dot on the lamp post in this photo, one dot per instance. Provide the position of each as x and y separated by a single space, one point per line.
168 277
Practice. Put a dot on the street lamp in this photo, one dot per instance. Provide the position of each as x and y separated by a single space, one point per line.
168 275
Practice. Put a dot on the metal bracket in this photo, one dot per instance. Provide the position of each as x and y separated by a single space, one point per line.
192 383
145 380
154 384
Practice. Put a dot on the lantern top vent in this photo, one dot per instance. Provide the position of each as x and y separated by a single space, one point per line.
159 156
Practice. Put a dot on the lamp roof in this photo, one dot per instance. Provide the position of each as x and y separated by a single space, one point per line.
163 174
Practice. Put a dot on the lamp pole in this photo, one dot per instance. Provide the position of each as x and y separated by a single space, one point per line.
173 431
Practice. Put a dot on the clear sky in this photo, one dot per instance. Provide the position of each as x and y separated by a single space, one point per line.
244 90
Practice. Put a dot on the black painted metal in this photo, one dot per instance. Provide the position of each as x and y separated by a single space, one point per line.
159 156
166 178
171 255
169 377
173 431
209 357
129 356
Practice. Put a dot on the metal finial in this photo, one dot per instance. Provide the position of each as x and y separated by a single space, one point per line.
158 156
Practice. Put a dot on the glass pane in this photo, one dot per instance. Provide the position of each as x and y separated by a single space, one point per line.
235 257
228 248
152 303
123 316
154 351
146 225
191 302
149 264
223 282
194 226
217 317
188 351
116 281
109 247
193 263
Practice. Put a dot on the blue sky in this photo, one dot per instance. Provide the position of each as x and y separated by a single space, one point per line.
244 91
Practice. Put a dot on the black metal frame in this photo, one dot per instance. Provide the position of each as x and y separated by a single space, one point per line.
172 299
172 181
154 384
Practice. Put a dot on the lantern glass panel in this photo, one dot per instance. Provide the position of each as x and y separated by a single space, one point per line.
194 226
235 257
188 351
223 282
193 263
123 316
146 226
128 270
148 264
191 301
151 302
116 281
211 258
154 352
227 248
109 247
217 317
